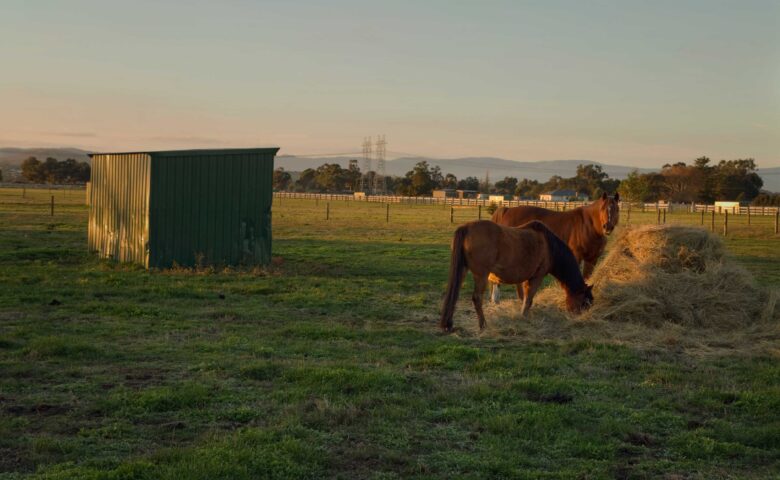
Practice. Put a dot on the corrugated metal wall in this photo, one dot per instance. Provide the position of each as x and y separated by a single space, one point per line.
211 208
197 207
119 202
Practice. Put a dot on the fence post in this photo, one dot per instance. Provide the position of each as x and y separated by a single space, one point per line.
387 216
712 224
452 214
664 217
658 217
702 217
52 205
480 211
748 214
327 211
726 223
777 218
628 215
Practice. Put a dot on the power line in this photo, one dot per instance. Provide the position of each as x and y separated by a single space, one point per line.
322 154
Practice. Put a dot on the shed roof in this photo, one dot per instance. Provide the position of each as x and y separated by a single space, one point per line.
205 151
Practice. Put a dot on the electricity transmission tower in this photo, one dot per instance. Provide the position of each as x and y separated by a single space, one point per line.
365 181
380 183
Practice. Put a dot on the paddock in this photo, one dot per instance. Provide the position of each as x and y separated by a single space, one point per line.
328 362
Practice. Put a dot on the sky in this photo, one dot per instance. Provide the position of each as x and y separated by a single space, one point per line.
637 83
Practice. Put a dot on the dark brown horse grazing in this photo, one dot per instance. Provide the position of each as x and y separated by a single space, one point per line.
516 255
584 229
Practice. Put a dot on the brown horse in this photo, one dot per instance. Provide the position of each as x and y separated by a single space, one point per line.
584 229
516 255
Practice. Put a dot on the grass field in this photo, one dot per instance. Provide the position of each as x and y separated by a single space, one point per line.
329 364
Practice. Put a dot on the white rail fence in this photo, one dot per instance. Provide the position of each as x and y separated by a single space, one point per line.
560 206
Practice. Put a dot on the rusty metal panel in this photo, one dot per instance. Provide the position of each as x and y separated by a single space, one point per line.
119 194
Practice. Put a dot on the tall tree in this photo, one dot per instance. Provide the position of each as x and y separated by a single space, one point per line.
282 179
528 188
450 181
330 177
683 183
306 182
506 186
469 183
635 187
420 179
31 170
737 180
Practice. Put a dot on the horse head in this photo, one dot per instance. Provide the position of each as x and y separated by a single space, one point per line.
578 302
609 212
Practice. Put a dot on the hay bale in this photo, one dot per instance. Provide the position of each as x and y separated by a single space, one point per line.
682 275
663 284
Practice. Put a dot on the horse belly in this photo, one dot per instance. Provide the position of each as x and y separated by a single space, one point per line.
507 276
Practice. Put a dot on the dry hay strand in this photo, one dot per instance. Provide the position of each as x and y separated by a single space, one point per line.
667 286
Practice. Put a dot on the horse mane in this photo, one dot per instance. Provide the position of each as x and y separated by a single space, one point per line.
565 267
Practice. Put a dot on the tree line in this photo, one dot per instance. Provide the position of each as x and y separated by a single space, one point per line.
423 179
701 181
54 171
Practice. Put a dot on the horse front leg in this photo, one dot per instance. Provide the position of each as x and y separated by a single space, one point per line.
495 292
587 271
529 290
480 282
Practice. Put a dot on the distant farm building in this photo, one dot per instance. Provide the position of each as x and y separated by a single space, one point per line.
452 193
183 207
466 193
445 193
500 198
558 195
731 207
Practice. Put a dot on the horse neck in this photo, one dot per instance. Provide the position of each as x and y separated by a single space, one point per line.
567 271
591 216
570 279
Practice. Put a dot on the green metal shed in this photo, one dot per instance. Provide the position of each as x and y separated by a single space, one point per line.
189 207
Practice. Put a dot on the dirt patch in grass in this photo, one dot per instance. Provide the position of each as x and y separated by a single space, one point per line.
44 409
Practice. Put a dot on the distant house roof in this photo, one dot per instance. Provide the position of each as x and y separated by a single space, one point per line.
562 193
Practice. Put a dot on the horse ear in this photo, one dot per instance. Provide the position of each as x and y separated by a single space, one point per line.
617 197
604 196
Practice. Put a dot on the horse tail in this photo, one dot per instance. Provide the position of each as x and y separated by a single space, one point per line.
498 214
457 272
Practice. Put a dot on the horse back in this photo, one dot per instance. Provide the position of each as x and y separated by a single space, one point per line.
565 225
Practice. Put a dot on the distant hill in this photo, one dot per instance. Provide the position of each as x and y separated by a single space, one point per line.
771 178
15 156
498 168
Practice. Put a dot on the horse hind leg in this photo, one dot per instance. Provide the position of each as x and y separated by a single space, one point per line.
519 288
480 282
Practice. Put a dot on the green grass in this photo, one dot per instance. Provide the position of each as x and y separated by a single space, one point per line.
330 365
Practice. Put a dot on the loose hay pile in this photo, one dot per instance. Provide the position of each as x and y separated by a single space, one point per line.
668 285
